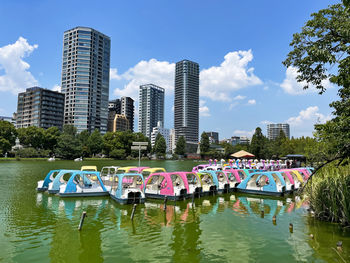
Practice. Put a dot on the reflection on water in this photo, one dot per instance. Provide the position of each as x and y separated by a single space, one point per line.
38 227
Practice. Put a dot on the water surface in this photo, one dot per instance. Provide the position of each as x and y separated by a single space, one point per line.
37 227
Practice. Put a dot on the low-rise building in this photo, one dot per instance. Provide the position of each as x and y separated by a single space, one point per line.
164 132
121 123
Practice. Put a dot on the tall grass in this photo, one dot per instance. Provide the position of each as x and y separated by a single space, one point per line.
329 194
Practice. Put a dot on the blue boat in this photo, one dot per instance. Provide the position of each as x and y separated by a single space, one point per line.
61 179
128 188
263 183
43 185
84 183
218 179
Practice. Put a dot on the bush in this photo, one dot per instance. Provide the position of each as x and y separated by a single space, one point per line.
32 153
329 194
117 154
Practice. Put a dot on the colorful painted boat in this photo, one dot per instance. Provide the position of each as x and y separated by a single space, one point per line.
128 188
233 178
125 169
219 179
61 178
159 185
294 176
191 180
263 183
89 168
146 172
43 185
138 169
84 183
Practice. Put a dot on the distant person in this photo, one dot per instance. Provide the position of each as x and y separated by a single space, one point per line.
288 164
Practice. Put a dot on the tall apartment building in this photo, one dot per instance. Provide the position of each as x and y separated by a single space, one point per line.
127 109
186 104
273 130
151 108
85 78
164 132
124 106
40 107
121 123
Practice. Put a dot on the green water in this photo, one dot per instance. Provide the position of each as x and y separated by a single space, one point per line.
37 227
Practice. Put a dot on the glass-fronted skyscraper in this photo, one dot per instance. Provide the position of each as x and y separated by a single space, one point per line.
85 78
274 129
151 108
186 104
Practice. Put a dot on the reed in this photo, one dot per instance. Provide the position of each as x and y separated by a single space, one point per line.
329 194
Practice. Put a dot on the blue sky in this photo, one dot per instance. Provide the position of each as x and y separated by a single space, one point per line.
239 46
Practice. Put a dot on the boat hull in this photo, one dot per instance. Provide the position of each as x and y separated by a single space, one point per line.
125 201
169 197
84 194
256 192
41 189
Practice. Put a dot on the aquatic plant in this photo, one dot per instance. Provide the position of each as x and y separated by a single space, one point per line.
329 194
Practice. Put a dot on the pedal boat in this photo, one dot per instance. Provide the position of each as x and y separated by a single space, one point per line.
220 180
209 183
191 180
128 188
263 183
84 183
43 185
61 178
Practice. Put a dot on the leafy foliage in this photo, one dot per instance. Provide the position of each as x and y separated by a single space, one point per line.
180 146
205 144
94 142
160 145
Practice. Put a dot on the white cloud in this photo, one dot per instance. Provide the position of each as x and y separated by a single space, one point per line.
203 109
233 74
239 97
248 134
113 74
251 102
265 122
16 77
291 86
308 116
160 73
56 88
232 105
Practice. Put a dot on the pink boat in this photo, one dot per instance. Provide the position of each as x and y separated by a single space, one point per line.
233 178
138 169
192 182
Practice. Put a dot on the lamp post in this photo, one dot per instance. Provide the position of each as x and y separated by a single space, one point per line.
139 146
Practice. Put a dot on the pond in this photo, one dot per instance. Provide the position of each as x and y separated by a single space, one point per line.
37 227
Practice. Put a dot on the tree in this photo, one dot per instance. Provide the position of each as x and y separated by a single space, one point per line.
205 144
31 136
50 138
320 52
83 138
5 145
68 146
8 132
181 146
257 145
160 145
95 142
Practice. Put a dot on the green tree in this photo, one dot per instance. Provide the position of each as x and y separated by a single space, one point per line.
95 142
31 136
5 145
258 143
68 146
50 138
8 132
159 145
83 138
205 144
320 52
180 146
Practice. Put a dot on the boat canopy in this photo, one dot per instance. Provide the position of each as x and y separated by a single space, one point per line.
88 168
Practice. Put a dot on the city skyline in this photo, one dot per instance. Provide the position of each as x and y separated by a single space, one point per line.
228 45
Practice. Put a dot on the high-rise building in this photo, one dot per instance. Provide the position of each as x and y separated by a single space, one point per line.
127 108
273 130
213 137
124 106
85 78
172 141
151 108
114 107
164 132
40 107
186 104
121 123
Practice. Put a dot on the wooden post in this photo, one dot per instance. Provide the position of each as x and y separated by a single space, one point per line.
83 215
133 212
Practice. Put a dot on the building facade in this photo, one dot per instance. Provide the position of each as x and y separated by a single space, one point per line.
127 108
213 137
273 130
186 101
40 107
121 123
114 107
172 141
238 140
164 132
151 108
85 78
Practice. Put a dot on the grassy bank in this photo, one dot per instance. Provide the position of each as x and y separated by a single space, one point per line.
329 194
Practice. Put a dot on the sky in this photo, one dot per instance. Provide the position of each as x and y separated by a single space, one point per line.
239 45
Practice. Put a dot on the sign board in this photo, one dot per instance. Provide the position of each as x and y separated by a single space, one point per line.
140 143
138 147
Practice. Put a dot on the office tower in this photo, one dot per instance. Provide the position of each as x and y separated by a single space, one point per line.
40 107
85 78
164 132
114 107
121 123
273 130
127 109
213 137
151 108
186 112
